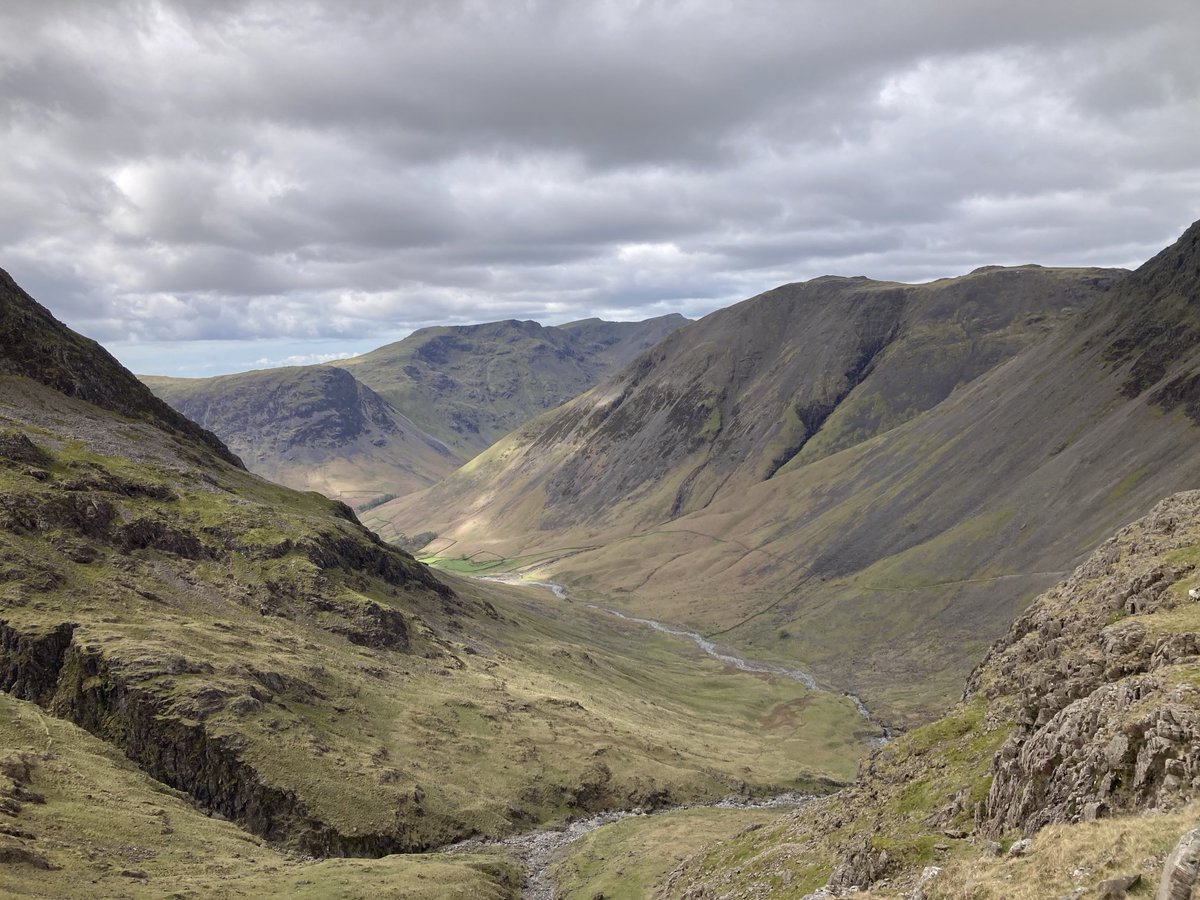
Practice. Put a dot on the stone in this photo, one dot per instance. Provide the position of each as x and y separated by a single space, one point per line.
1182 869
15 855
928 874
1019 848
1117 888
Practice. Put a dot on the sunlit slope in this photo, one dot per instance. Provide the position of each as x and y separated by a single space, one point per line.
890 561
745 394
1079 731
257 649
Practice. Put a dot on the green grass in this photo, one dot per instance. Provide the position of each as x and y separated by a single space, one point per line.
629 859
506 708
107 830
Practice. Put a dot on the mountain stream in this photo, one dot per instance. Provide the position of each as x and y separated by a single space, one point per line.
536 849
730 659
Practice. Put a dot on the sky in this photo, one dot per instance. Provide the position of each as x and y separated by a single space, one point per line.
214 186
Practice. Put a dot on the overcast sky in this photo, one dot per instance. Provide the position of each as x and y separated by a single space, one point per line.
211 186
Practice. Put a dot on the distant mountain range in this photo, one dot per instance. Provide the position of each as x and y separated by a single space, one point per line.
406 415
872 478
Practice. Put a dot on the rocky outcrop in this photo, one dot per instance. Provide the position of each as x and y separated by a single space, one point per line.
862 864
1101 723
78 684
1127 746
35 345
1182 869
30 662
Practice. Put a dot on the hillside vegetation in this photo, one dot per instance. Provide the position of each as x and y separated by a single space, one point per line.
257 650
869 478
1078 734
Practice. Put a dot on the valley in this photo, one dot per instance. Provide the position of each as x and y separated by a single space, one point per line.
976 438
401 418
698 631
265 659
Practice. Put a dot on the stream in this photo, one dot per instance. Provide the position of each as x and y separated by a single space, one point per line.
536 849
730 659
746 665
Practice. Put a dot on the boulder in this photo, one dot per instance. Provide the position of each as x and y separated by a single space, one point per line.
1182 869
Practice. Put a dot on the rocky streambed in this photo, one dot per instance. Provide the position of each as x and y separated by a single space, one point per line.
537 850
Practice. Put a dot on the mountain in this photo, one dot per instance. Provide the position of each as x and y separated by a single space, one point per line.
1069 768
36 346
323 428
819 474
313 428
179 637
469 385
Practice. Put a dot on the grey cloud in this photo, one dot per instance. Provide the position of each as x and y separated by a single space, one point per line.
223 170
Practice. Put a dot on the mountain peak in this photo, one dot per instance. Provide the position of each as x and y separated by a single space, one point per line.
1176 268
35 345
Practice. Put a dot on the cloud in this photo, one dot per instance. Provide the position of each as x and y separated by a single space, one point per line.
225 171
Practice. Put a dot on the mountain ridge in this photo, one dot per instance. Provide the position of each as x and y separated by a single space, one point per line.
328 427
850 561
39 347
313 428
470 384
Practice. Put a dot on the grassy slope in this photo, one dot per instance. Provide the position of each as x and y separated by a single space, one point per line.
887 565
492 719
930 797
753 544
626 860
105 829
257 648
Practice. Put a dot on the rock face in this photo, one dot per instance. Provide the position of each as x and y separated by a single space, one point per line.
1103 720
313 428
1182 869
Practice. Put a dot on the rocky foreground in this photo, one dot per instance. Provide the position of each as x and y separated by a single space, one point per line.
1071 766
